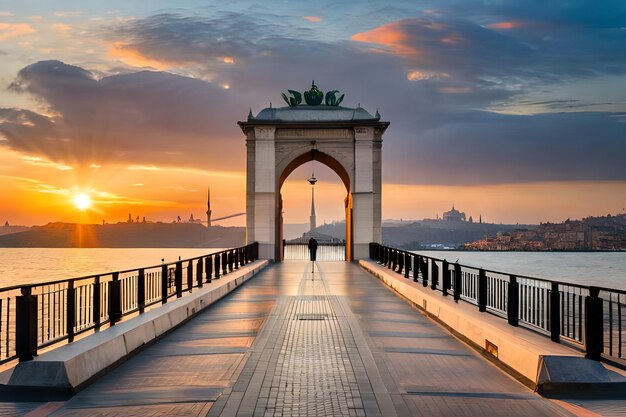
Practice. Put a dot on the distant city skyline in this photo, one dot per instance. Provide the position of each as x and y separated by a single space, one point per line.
507 109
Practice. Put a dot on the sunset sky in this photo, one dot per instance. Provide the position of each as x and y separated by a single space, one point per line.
512 109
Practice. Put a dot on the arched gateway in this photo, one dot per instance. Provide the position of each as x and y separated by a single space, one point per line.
348 140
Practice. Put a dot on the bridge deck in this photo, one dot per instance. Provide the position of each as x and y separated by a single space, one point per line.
290 343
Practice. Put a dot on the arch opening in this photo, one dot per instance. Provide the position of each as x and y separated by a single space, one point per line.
337 168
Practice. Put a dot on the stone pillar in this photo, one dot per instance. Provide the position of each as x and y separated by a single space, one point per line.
263 228
363 211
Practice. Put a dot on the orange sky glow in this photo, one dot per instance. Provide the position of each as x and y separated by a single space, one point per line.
144 124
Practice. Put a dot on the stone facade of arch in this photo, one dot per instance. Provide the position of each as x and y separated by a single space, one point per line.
351 148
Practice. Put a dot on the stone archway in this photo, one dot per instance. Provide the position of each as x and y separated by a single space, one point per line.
348 140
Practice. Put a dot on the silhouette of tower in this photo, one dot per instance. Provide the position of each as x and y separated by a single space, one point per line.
208 208
312 218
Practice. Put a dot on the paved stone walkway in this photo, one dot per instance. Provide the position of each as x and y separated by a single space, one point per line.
292 343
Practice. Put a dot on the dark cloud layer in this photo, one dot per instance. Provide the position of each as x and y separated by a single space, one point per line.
142 117
442 131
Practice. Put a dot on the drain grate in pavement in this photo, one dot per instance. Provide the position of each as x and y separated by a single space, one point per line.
311 316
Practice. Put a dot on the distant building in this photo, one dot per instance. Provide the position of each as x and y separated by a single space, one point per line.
193 219
208 208
312 219
454 215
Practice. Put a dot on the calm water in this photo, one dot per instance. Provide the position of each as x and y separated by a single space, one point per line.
606 269
27 265
31 265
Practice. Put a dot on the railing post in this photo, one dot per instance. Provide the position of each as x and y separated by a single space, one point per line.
256 250
141 291
445 266
512 301
115 300
178 279
434 274
189 275
164 278
424 269
407 264
594 324
199 270
416 267
400 258
26 325
482 290
70 315
224 263
218 259
97 308
458 282
555 312
208 268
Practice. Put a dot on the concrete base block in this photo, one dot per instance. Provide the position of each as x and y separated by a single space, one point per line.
561 374
53 373
71 366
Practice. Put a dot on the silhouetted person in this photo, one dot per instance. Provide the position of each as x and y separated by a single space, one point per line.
313 249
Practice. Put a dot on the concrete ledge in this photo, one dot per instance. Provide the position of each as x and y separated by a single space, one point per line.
532 358
70 366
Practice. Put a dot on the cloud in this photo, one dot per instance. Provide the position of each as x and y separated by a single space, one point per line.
504 25
38 161
476 53
434 76
167 40
62 28
12 30
314 19
145 116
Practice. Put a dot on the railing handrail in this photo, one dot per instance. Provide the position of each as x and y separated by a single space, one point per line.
46 313
124 271
578 313
477 268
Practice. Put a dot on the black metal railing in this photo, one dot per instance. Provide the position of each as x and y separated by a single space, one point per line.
37 316
326 251
591 317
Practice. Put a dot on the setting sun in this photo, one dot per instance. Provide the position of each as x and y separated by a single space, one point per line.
82 201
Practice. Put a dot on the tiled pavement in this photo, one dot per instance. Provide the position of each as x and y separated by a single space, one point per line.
287 344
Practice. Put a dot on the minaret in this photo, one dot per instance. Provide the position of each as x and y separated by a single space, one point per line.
208 208
313 222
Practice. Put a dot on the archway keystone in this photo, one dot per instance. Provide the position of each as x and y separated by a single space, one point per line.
348 140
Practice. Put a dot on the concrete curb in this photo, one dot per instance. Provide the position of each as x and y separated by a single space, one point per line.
531 358
71 366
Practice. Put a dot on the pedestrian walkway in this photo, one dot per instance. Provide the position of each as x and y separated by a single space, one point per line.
292 343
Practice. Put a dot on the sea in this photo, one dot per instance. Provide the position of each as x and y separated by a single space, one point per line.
32 265
603 269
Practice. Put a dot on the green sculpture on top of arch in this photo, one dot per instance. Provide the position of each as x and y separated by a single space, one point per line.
313 97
